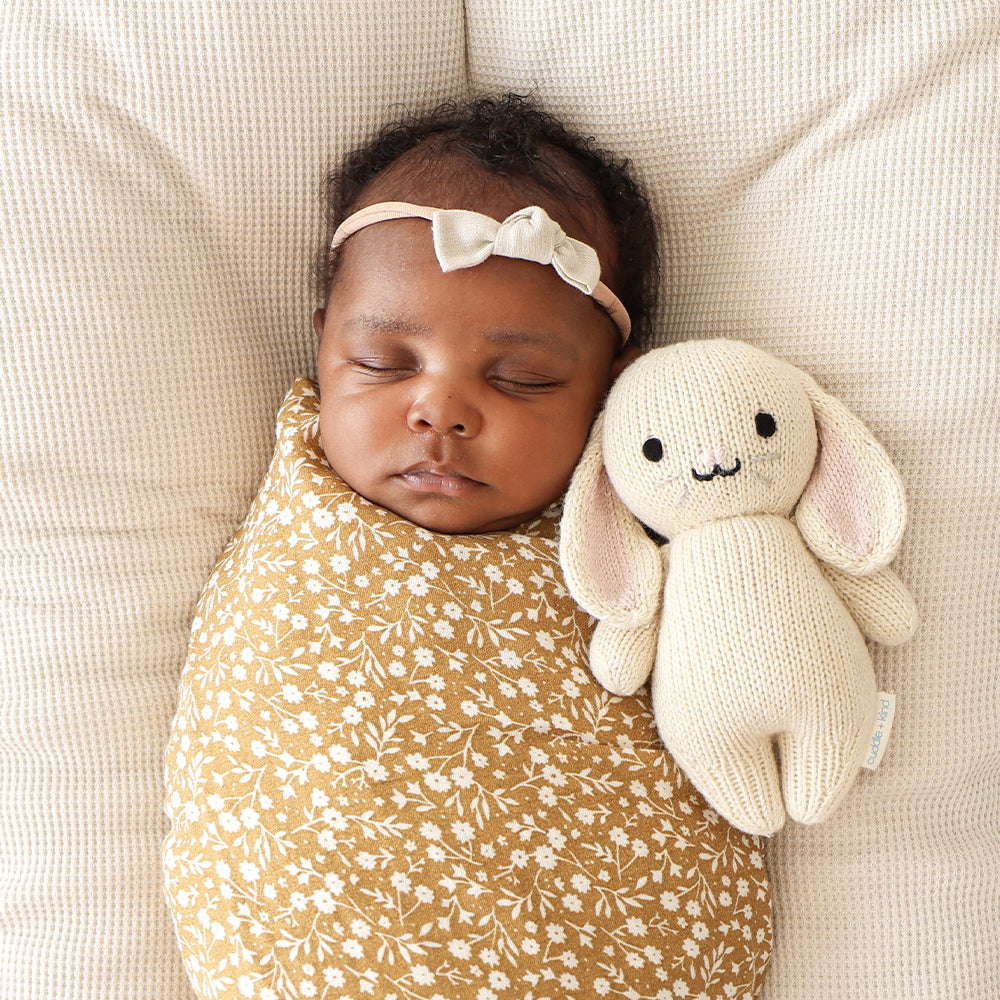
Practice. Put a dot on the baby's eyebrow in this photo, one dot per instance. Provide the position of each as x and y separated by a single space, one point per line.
389 324
525 338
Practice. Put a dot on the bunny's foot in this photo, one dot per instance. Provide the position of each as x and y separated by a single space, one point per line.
741 785
817 774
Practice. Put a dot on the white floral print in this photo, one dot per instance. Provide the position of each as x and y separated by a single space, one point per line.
391 775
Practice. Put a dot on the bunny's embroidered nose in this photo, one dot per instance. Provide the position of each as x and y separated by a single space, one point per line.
715 463
712 457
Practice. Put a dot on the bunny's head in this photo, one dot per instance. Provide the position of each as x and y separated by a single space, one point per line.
714 429
705 430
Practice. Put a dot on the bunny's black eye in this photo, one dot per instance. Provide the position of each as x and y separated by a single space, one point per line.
653 449
766 425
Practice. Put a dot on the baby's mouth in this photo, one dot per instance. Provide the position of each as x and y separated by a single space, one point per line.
440 480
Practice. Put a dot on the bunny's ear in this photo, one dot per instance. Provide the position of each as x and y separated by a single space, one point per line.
612 568
853 511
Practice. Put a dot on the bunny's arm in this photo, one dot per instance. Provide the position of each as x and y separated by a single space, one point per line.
880 603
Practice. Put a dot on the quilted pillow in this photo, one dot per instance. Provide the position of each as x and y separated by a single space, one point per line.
392 774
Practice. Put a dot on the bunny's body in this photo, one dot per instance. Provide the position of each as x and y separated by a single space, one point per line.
748 596
782 513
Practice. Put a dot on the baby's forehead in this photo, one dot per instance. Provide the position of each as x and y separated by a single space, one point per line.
448 179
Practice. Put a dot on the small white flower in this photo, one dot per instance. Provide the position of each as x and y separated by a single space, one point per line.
375 771
422 975
291 694
249 871
462 777
545 858
249 818
323 519
444 629
328 671
464 832
556 839
509 658
437 782
460 949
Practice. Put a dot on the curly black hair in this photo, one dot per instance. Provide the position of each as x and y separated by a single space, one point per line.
512 137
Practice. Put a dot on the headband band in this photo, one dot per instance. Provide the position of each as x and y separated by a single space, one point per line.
465 239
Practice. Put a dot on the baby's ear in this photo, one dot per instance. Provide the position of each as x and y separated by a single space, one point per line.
612 568
853 510
319 321
626 356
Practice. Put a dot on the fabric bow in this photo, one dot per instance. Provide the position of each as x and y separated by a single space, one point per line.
465 239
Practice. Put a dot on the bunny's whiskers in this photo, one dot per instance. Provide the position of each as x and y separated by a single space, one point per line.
678 478
756 473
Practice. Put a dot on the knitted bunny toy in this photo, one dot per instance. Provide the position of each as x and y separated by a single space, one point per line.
782 513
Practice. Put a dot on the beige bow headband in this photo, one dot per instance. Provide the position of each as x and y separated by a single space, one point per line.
465 239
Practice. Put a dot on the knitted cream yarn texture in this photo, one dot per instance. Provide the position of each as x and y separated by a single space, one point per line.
782 513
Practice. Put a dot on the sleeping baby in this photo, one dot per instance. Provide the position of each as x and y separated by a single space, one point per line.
391 773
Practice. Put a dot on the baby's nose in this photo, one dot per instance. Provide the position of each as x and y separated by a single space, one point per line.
446 410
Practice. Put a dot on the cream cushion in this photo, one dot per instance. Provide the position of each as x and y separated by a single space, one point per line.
827 176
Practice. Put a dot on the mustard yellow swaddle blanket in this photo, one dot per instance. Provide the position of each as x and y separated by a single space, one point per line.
392 775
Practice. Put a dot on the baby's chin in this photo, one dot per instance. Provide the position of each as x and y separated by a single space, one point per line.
447 517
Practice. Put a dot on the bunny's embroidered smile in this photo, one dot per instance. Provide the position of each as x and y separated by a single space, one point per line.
717 470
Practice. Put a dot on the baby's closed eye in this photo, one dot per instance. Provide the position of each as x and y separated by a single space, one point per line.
383 369
524 382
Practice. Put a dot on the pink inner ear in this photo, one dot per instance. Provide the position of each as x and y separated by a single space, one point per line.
607 545
839 493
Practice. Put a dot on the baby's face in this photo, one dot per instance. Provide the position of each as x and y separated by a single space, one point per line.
459 401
